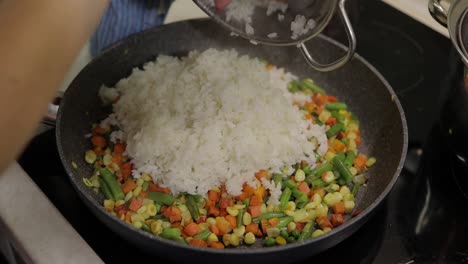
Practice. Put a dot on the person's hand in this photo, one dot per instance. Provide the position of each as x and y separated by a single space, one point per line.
221 4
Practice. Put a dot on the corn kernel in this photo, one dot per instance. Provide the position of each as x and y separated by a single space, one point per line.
139 181
263 208
109 205
280 241
122 217
146 177
151 209
166 224
326 230
137 191
107 159
352 135
249 238
107 151
142 209
324 116
349 206
113 167
353 171
156 227
227 239
289 212
352 145
312 214
329 155
370 162
90 156
136 218
300 215
317 233
203 211
147 201
335 187
300 175
338 196
235 240
212 238
246 218
348 197
113 213
270 208
344 191
329 199
232 211
328 177
273 232
137 224
291 226
291 206
204 226
211 221
321 210
240 231
239 206
128 196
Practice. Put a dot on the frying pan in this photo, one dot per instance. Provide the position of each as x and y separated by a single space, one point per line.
368 95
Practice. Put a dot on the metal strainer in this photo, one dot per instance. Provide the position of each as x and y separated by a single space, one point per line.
282 23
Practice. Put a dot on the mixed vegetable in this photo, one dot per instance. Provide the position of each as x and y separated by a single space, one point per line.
313 201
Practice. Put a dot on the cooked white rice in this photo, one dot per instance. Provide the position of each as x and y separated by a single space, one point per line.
210 118
301 26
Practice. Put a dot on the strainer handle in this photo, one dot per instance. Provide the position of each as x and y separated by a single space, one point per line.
351 48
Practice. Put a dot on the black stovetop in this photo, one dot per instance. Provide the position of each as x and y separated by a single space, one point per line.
424 217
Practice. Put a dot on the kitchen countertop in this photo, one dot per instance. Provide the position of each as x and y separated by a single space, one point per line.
30 218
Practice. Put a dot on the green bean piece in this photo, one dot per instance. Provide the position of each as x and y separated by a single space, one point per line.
277 178
341 156
334 130
172 234
307 170
291 239
293 87
284 233
317 183
336 106
146 227
240 216
301 203
203 235
269 242
341 181
345 141
268 215
284 198
284 221
160 217
310 85
112 183
355 189
289 184
145 186
163 198
350 156
337 174
105 190
295 233
306 232
343 170
339 117
317 172
300 196
192 207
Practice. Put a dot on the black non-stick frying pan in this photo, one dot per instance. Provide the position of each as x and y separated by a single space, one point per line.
368 95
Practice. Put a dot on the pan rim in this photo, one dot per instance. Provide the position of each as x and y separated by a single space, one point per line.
361 218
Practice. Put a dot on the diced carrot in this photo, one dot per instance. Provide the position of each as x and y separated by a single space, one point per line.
319 110
358 140
255 211
126 169
320 99
135 204
337 145
192 229
341 135
323 222
261 174
117 159
128 186
155 188
273 221
143 194
360 161
304 187
213 195
241 197
216 244
356 213
173 213
252 227
300 226
338 208
336 219
120 179
223 212
331 121
98 141
261 192
120 210
308 116
332 99
212 210
119 148
269 67
256 200
320 191
265 225
223 225
232 220
201 219
310 106
178 225
99 131
215 230
226 202
248 189
99 151
198 242
128 216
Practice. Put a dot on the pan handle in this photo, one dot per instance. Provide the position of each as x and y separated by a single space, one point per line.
438 12
351 46
50 118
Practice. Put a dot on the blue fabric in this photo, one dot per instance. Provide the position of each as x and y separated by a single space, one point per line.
125 17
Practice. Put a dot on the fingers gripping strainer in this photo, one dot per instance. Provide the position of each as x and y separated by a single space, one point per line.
282 23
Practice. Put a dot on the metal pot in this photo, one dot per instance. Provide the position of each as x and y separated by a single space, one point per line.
454 116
